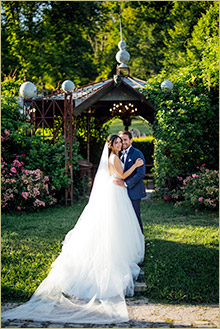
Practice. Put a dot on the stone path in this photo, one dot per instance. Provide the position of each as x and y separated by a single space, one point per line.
142 315
148 194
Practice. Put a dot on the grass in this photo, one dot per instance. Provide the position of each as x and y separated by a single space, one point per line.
181 260
137 123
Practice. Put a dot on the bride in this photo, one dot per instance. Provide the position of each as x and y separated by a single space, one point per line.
97 266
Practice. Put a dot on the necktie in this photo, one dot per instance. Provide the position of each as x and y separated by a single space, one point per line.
124 156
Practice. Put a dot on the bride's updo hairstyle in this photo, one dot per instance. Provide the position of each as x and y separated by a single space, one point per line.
110 142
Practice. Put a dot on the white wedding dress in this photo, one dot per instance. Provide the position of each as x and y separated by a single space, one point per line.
98 263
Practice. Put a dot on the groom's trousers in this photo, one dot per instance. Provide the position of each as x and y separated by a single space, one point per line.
136 205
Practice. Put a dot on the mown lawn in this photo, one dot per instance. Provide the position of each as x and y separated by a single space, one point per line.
137 123
181 260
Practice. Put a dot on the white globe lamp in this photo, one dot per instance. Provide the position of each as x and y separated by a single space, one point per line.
28 90
68 86
122 56
167 84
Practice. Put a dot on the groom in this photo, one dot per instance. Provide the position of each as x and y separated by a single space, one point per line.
134 183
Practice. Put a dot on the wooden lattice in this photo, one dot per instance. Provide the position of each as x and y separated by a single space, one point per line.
50 118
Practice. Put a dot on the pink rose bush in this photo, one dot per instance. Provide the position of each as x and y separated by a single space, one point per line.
24 189
200 190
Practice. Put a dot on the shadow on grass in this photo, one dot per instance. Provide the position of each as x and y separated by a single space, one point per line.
181 273
9 294
160 211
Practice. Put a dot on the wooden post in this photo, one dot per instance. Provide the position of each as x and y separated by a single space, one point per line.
68 135
88 136
75 129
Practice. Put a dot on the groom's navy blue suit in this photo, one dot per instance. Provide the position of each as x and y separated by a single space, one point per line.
135 184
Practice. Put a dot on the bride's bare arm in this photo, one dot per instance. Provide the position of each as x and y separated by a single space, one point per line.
118 167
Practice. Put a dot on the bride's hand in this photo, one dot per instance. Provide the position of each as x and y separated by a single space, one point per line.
139 162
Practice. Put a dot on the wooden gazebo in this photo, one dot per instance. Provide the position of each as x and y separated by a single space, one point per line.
118 96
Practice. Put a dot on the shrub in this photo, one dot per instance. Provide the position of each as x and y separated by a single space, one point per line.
185 128
201 189
24 189
146 146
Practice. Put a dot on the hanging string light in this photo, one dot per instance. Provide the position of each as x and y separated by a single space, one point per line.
123 109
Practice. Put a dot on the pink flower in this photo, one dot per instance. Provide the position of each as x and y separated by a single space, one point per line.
194 176
2 138
203 165
18 208
197 167
7 133
200 199
25 195
167 198
17 163
2 166
13 170
179 178
22 168
2 159
23 155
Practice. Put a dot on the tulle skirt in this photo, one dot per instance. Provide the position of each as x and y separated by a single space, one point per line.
96 269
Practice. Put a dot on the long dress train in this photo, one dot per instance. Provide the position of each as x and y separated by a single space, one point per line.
97 265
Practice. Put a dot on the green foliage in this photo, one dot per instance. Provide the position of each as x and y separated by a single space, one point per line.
184 15
98 136
51 160
185 128
203 48
14 127
11 118
146 147
36 35
181 259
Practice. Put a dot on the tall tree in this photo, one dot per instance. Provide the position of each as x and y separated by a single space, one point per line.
184 15
46 40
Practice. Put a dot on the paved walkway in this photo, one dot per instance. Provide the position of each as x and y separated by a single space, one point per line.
143 315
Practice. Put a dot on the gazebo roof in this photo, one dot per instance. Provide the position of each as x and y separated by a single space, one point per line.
117 96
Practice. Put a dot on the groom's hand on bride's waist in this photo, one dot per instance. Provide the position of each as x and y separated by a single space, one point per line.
118 181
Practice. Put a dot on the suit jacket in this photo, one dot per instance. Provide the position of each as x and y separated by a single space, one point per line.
135 183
